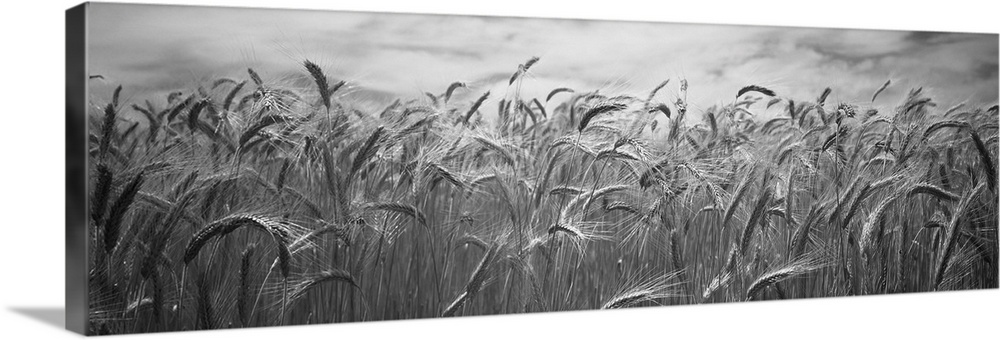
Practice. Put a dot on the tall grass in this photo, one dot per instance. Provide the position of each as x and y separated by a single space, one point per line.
598 200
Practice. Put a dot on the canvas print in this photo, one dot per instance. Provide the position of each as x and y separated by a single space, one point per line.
261 167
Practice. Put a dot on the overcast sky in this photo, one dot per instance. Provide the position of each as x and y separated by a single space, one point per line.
152 49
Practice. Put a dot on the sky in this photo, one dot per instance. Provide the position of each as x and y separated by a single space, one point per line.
152 50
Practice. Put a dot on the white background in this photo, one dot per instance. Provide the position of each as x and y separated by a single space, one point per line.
32 285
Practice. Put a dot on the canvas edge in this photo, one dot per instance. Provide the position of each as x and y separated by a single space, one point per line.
76 169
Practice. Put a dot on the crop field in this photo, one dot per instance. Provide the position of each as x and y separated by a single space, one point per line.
245 202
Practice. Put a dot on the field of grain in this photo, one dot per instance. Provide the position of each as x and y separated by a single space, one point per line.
248 203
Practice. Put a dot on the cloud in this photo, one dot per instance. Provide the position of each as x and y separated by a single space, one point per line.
153 49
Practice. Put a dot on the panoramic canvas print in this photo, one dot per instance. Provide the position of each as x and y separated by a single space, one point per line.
262 167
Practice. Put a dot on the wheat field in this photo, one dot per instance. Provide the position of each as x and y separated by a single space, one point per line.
247 203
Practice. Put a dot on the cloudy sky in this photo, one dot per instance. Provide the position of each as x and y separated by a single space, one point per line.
154 49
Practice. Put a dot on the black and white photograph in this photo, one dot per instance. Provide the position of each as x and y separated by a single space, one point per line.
251 167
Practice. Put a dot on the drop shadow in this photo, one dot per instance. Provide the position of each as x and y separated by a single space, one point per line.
53 316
